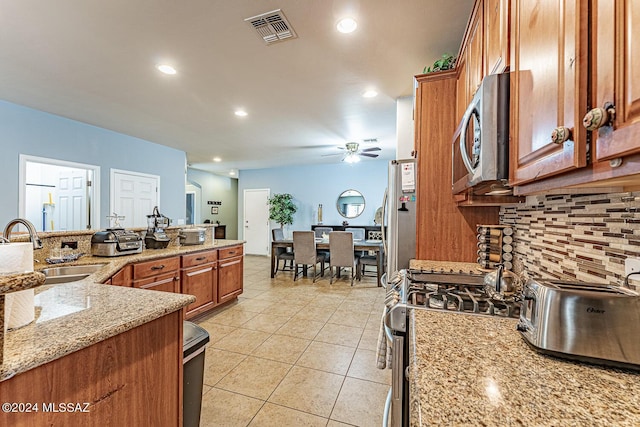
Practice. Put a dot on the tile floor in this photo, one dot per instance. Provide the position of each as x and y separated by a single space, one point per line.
295 353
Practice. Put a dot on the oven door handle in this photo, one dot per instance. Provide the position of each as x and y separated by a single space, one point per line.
386 415
468 114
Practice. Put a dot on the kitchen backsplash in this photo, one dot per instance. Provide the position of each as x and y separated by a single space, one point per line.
576 237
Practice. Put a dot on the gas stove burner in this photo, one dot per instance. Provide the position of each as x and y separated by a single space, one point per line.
452 292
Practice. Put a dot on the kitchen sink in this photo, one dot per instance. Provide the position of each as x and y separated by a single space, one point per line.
69 273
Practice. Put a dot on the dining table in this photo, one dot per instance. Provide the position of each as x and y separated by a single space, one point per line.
323 244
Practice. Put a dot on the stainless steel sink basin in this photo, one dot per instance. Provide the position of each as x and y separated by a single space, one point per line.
69 273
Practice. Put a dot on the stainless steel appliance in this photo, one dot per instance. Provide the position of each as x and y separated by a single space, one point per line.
115 242
592 323
456 292
192 236
480 157
399 206
156 238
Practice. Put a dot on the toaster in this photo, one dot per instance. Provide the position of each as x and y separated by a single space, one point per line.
586 322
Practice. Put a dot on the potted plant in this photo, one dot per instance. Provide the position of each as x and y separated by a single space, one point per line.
281 209
447 62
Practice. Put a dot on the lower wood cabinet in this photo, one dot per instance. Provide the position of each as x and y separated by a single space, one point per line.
158 275
213 276
230 272
199 278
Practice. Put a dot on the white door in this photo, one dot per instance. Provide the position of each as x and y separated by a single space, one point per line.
71 206
256 221
133 195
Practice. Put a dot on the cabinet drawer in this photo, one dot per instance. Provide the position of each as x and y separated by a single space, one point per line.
166 282
230 252
199 258
155 267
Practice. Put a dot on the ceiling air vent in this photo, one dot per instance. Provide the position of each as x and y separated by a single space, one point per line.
272 26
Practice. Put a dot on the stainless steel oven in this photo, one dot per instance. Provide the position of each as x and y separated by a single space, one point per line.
459 292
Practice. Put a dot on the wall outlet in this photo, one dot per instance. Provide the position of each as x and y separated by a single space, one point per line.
631 265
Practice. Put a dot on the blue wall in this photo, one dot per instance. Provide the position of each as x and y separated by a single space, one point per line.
311 185
27 131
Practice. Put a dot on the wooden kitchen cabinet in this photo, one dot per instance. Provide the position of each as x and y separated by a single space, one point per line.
123 277
470 61
615 50
606 73
159 275
496 36
548 87
445 232
230 273
199 277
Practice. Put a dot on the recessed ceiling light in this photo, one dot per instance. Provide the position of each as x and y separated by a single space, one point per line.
241 113
217 159
347 25
232 172
370 93
167 69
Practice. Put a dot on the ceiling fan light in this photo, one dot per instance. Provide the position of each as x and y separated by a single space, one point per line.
352 158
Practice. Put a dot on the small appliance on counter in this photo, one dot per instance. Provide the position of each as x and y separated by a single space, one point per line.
586 322
192 236
156 238
115 242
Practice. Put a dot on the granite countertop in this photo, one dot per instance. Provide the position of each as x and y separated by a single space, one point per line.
477 370
72 316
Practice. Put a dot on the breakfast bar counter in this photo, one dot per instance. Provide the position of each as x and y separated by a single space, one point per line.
477 370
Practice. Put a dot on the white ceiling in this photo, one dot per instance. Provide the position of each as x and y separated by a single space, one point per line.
94 61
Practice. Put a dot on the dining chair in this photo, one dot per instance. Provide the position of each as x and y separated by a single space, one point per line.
283 254
305 254
342 254
319 231
358 235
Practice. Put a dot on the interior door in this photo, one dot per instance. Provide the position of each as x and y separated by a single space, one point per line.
134 195
256 221
71 209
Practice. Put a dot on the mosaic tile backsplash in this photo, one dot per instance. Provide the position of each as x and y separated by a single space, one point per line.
576 237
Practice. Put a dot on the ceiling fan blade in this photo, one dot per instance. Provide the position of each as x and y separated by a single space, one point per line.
334 154
370 149
368 155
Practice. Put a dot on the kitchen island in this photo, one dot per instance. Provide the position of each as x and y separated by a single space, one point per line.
112 355
477 370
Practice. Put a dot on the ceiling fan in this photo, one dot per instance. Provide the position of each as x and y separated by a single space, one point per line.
352 152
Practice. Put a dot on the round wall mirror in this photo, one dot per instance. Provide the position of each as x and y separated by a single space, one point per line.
350 203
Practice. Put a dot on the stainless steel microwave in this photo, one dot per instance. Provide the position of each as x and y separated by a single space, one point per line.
480 149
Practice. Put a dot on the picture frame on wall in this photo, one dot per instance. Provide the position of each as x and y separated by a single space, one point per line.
214 210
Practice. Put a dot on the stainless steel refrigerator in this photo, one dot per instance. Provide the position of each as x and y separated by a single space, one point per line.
399 209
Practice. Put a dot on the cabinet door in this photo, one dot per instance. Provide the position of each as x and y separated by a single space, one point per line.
616 75
200 282
230 276
548 87
474 55
496 35
122 277
166 282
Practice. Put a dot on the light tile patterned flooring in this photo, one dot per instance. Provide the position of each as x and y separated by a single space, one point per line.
295 353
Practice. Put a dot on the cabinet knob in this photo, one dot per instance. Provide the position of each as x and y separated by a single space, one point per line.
599 117
560 135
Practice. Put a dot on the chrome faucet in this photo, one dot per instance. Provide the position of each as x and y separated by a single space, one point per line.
33 235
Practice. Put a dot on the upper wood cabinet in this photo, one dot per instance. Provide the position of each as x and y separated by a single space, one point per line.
615 50
496 36
548 88
470 61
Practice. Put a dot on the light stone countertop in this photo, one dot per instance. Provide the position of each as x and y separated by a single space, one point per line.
72 316
446 266
477 370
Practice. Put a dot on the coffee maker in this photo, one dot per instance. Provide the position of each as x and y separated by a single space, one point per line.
156 238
